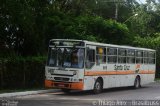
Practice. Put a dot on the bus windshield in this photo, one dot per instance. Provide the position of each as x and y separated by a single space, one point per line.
66 57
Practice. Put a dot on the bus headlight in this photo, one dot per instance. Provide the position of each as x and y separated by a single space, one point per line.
51 71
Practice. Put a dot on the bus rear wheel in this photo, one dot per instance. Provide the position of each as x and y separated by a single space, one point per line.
137 83
98 86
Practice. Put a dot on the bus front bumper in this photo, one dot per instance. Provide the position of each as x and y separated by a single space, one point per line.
66 85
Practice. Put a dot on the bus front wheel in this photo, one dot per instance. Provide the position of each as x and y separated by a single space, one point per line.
98 86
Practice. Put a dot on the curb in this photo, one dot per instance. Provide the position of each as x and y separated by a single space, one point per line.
27 93
157 81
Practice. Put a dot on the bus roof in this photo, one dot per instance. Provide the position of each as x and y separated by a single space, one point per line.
103 44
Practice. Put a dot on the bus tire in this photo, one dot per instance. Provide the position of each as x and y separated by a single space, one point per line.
137 83
66 90
98 86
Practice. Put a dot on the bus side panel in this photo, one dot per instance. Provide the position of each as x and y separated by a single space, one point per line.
143 73
130 77
151 78
110 78
144 79
125 77
89 82
120 76
151 71
120 80
109 81
129 80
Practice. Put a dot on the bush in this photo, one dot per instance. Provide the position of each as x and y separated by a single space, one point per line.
19 72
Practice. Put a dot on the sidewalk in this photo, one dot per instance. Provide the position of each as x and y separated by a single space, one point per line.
26 93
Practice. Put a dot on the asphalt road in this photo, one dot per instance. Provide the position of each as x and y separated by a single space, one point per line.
86 98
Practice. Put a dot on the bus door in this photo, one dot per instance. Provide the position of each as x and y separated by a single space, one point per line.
90 70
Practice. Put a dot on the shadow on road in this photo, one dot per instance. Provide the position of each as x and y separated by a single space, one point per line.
90 92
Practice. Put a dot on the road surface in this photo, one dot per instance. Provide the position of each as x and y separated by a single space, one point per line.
87 98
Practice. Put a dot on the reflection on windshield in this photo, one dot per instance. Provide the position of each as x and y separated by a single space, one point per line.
66 57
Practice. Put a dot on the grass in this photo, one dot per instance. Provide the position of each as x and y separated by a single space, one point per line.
157 79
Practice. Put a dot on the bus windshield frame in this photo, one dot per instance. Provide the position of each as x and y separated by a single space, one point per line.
66 57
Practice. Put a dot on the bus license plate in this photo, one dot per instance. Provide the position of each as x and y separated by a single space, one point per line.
61 85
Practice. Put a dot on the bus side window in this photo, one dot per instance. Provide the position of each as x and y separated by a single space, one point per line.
90 58
131 56
145 57
112 55
139 57
100 55
122 56
151 57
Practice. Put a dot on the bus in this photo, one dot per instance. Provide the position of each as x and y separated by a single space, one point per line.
85 65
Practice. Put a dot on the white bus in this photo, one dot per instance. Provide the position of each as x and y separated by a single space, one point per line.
85 65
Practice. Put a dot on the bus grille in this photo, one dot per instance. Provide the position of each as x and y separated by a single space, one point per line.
61 79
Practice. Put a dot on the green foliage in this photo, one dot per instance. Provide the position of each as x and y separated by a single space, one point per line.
142 24
153 43
27 26
148 42
19 72
22 26
93 28
107 31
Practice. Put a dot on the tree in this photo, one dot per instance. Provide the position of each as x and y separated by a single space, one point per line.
22 26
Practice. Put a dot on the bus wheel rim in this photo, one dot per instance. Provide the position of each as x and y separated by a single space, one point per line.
137 83
98 86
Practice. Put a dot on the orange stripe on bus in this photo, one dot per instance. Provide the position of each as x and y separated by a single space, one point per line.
151 72
92 73
77 85
130 72
89 73
71 85
49 83
146 72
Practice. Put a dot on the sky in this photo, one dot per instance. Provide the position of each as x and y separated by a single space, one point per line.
141 1
144 1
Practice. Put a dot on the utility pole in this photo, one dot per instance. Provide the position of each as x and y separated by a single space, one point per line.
1 74
116 11
116 6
